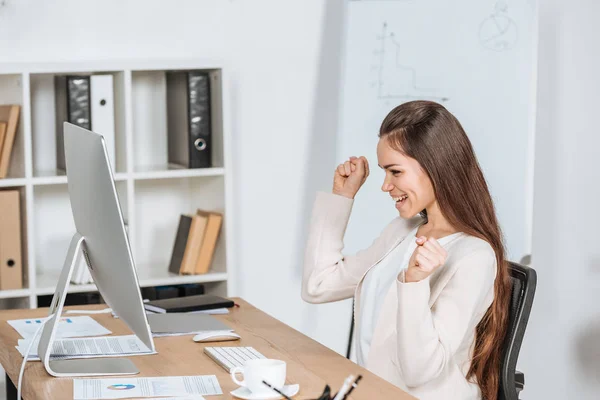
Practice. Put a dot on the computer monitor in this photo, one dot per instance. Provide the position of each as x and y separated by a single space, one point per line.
101 236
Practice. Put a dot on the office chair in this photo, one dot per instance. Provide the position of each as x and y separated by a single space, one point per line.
523 281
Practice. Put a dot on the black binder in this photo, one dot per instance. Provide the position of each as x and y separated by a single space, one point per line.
181 238
189 119
191 303
73 104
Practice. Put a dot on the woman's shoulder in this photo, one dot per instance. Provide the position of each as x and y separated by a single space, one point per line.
472 255
469 246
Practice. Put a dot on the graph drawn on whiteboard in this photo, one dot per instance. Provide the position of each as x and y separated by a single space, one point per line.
395 79
498 32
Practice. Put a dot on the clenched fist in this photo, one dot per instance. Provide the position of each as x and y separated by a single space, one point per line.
427 257
350 176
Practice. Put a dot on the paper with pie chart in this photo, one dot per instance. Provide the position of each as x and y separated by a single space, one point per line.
193 387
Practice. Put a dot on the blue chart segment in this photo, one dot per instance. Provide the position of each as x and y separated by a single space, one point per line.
121 386
39 321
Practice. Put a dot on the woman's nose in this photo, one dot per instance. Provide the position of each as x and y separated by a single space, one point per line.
386 187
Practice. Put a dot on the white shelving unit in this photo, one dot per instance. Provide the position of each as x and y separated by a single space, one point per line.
152 193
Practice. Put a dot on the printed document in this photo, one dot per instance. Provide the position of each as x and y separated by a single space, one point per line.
123 388
67 327
114 346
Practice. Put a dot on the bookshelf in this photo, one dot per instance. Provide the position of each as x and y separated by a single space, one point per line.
152 193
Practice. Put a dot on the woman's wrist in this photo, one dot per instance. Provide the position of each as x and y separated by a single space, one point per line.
349 196
410 277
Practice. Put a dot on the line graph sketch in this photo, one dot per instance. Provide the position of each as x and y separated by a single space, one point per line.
498 32
394 78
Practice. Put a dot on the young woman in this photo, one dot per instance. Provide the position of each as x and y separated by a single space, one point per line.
432 291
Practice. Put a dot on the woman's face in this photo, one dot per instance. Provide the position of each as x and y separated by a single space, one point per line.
405 181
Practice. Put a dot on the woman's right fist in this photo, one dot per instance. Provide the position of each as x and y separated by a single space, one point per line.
350 176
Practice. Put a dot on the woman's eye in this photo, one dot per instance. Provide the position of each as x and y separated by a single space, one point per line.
395 173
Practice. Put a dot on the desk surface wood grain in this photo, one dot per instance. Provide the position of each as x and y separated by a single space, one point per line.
309 363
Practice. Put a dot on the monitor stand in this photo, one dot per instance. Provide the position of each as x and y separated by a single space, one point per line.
77 367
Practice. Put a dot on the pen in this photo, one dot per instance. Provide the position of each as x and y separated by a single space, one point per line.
352 387
277 390
344 388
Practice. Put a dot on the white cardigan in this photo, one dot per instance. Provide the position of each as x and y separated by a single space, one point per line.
425 333
377 283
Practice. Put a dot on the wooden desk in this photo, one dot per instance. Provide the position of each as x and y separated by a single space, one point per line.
309 363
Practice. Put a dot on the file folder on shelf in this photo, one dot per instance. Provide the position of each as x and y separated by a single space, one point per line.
11 269
189 119
188 240
10 115
209 241
72 102
86 101
103 112
3 126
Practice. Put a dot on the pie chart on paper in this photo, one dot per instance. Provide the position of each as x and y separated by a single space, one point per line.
121 386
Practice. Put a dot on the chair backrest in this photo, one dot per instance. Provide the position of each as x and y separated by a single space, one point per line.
524 281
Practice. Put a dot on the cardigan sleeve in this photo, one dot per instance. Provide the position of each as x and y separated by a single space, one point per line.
428 337
328 274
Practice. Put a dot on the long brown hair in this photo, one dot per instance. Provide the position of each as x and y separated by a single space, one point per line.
429 133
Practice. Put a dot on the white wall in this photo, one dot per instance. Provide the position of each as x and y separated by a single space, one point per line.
561 351
283 62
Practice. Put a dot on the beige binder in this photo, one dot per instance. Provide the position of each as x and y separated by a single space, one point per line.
10 115
11 269
209 241
195 235
3 126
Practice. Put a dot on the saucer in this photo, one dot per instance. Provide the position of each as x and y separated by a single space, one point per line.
246 394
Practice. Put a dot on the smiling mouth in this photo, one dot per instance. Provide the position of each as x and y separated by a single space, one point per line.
399 200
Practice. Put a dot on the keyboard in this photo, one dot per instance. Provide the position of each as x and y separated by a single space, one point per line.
230 357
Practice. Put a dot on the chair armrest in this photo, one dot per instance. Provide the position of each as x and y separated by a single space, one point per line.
519 380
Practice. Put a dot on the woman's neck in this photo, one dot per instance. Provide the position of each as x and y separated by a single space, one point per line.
437 225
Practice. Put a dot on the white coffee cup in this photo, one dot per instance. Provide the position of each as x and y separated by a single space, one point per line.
255 371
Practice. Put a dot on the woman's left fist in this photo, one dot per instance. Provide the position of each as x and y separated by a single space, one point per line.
427 257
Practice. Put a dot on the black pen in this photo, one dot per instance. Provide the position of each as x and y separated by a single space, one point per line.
352 387
277 390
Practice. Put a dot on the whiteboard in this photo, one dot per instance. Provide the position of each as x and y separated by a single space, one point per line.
478 59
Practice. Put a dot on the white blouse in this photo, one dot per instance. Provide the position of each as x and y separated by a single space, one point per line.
376 285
